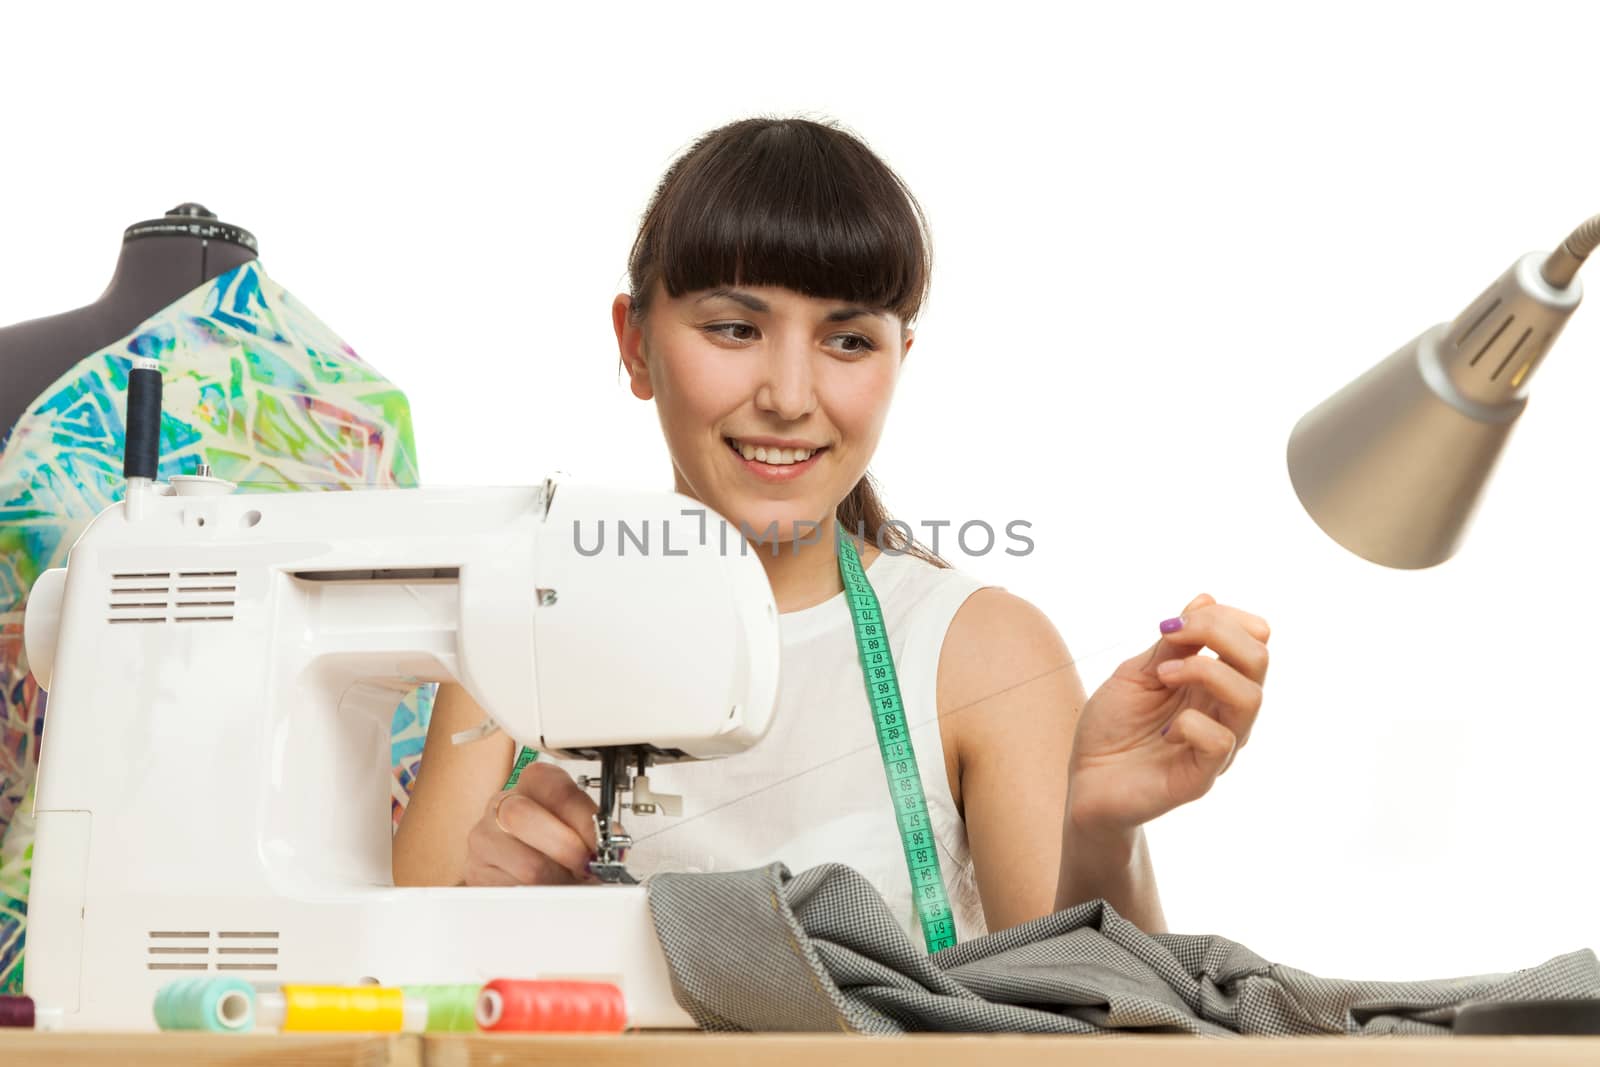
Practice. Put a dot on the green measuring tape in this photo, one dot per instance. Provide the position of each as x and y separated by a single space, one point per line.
894 743
525 757
899 758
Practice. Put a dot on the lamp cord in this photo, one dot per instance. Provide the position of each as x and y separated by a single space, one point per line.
1563 264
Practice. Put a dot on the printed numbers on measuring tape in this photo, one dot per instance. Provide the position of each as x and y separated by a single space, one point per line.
525 757
899 758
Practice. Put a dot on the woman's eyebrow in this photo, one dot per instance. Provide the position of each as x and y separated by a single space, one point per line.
843 314
737 297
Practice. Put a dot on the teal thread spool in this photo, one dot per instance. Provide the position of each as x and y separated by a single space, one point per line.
221 1005
451 1008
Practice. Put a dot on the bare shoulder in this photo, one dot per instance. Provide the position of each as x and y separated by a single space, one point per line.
995 640
1006 678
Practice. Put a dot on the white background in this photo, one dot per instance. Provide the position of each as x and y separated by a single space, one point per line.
1163 232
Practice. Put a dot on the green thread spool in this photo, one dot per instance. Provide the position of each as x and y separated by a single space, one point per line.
221 1005
451 1008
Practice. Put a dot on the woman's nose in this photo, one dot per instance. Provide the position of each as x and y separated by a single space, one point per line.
787 390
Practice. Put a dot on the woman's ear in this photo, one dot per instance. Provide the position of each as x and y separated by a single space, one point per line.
630 347
905 350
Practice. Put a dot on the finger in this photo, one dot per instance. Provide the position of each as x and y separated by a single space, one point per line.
1240 697
1254 624
490 847
1210 745
485 874
527 867
496 858
1231 757
535 871
553 789
1171 645
532 868
537 827
1221 629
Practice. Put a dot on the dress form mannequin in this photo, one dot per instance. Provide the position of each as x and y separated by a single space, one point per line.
161 260
300 411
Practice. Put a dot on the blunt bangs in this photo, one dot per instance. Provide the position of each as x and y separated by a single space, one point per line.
794 204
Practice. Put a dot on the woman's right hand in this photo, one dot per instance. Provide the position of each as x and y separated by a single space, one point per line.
538 832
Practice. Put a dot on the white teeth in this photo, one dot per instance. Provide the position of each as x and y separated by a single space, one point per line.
777 457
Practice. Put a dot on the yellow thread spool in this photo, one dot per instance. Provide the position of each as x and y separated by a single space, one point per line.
342 1008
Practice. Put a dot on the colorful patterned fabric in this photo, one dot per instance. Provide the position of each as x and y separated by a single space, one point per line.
254 385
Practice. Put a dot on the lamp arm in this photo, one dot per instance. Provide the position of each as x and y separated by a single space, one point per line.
1563 264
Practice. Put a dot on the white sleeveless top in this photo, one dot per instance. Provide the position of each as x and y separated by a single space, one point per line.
813 790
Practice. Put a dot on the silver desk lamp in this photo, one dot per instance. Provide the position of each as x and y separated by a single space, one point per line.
1392 467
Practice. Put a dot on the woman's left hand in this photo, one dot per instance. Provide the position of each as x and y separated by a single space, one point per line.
1169 721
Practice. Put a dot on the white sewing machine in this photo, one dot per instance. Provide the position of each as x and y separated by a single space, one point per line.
214 782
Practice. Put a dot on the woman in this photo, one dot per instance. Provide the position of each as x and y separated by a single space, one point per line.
773 287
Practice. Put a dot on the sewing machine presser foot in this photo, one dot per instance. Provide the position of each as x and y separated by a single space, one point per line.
609 862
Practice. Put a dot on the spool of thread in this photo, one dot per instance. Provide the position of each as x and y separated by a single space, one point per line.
451 1008
141 450
567 1007
216 1004
16 1012
326 1008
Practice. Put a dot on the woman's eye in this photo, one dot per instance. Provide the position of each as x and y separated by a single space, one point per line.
853 344
861 346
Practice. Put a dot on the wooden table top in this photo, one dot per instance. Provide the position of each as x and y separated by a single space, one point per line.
18 1047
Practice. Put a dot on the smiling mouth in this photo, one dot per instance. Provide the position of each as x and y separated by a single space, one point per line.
773 457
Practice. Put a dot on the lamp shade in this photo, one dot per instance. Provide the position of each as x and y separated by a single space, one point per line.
1393 465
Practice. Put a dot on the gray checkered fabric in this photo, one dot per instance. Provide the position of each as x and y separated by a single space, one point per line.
762 950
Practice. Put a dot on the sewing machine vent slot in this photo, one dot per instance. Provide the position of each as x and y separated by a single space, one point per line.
164 596
192 950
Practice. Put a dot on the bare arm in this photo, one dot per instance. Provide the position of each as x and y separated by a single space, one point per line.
1009 698
453 784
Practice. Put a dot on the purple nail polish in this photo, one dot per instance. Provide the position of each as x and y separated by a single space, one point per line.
1172 626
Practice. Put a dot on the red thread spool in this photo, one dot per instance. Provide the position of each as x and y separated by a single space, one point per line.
507 1004
16 1011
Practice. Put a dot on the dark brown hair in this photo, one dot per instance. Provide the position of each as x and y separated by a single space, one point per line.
800 204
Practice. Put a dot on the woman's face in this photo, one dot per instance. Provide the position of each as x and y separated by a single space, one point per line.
748 380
